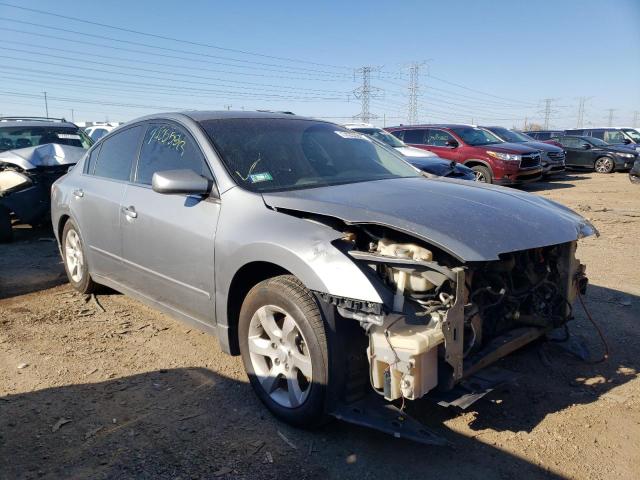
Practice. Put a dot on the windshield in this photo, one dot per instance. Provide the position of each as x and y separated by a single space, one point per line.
382 136
476 136
633 134
509 135
596 141
266 154
12 138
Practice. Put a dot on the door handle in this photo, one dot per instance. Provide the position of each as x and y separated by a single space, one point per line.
78 193
130 212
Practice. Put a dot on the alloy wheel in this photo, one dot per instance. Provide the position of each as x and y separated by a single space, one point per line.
480 177
280 356
604 165
73 255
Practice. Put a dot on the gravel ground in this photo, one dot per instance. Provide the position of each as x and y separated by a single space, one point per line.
131 393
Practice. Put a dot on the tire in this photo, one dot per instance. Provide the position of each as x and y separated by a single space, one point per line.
604 165
6 231
287 363
483 174
75 259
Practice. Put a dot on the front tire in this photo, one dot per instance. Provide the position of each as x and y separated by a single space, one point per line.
483 174
284 350
604 165
75 259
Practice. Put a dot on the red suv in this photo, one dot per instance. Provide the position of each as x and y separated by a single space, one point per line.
493 160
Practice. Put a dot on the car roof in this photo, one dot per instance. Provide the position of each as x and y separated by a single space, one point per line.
435 125
35 123
202 115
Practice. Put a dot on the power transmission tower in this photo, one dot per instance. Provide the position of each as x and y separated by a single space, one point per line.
547 111
414 89
635 118
365 92
611 110
46 104
581 110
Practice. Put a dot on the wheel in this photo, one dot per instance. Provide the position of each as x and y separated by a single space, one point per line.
75 260
6 231
604 165
483 174
284 350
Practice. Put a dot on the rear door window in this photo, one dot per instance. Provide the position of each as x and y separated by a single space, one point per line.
416 136
169 147
118 154
438 138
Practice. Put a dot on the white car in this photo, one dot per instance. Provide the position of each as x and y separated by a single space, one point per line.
96 132
386 137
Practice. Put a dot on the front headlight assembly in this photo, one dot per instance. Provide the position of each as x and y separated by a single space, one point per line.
507 157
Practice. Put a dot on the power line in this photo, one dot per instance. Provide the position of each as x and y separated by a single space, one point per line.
174 50
163 37
365 92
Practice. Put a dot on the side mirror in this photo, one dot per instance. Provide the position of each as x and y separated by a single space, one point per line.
627 141
586 146
180 181
452 144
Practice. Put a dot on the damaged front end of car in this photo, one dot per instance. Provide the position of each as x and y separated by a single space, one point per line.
447 320
26 176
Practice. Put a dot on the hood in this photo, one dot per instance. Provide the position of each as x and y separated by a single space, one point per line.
414 152
545 147
48 155
507 147
473 222
439 166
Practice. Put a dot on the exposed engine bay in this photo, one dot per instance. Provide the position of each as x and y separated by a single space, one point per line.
447 320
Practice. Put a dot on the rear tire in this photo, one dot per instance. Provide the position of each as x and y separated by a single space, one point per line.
284 350
75 259
604 165
483 174
6 231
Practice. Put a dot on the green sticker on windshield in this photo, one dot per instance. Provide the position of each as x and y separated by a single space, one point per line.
260 177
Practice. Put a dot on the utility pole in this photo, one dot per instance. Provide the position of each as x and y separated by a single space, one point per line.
365 92
46 104
73 119
611 110
635 118
228 107
525 124
414 89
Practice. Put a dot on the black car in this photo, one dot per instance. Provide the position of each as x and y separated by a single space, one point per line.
634 173
593 153
543 135
613 136
34 153
442 168
551 157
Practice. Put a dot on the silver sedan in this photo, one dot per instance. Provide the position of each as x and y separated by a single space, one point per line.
334 268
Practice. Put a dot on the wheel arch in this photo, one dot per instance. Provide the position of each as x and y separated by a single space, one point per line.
62 221
247 277
474 162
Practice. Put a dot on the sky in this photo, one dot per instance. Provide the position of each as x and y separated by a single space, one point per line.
490 63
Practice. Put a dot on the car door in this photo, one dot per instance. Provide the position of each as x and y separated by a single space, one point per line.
576 153
95 201
168 239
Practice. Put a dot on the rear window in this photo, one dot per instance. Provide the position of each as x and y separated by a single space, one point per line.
12 138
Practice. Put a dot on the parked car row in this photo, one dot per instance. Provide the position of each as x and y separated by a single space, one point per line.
612 136
508 157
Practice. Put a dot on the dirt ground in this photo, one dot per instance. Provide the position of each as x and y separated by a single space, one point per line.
130 393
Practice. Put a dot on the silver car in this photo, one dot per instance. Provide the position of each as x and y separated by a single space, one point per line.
335 269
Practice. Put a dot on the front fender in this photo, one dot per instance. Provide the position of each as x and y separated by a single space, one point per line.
249 231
